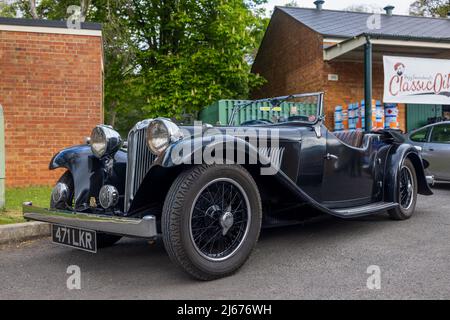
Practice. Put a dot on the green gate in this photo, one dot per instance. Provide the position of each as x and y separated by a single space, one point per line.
418 115
220 112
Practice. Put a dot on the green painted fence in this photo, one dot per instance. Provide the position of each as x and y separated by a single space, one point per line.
220 112
418 114
2 159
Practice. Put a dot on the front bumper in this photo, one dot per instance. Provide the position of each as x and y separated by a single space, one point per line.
128 227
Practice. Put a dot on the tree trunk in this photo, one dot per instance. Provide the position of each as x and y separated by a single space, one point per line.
84 9
33 10
112 114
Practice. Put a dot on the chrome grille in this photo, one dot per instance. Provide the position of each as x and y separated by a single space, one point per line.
140 160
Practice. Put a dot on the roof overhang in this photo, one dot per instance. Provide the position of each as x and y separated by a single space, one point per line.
351 49
49 26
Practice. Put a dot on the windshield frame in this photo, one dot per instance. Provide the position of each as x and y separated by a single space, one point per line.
280 100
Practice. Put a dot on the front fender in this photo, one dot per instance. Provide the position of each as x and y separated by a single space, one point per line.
192 152
90 173
396 157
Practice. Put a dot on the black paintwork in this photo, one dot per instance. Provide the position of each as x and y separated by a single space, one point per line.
352 182
90 173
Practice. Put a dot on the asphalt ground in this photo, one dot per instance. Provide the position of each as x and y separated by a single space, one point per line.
327 259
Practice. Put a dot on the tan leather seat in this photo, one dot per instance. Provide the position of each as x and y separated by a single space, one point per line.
352 138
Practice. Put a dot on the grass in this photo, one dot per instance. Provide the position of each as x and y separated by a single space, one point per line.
40 196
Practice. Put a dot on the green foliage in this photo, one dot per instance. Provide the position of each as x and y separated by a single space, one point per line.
170 58
192 53
435 8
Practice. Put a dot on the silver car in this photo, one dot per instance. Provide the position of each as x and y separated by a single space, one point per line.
434 140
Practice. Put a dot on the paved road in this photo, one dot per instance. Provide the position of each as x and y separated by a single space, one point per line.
322 260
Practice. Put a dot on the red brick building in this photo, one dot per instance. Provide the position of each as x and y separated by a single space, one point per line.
51 90
310 50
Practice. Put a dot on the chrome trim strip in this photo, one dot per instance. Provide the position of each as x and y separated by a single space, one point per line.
140 160
129 227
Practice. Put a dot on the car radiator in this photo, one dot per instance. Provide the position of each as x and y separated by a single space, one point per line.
140 160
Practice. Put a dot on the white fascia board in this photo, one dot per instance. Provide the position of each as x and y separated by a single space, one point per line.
408 43
342 48
76 32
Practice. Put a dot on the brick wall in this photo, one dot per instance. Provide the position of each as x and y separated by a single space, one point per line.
290 58
51 89
350 87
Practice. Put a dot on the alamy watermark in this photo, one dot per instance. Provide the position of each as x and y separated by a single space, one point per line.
374 22
76 18
74 280
231 145
374 280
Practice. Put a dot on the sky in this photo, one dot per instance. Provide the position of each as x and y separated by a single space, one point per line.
401 6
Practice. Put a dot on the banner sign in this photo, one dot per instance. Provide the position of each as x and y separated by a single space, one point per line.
416 80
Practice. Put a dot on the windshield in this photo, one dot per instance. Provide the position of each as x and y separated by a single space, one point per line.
304 108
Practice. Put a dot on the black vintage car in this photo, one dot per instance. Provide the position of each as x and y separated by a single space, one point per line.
208 190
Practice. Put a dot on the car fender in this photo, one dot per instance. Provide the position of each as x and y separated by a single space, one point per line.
396 156
184 154
192 151
89 172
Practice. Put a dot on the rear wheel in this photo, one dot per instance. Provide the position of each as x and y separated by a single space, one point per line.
211 220
62 199
406 195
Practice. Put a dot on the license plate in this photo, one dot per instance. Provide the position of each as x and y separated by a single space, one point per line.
75 238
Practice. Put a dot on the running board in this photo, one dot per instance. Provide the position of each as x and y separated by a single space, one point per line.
365 210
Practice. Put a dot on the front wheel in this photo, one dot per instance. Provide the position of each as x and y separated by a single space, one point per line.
406 196
211 220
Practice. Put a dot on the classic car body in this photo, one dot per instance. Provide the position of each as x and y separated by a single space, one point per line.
210 214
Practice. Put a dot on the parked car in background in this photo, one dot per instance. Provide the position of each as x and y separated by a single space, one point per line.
434 141
209 214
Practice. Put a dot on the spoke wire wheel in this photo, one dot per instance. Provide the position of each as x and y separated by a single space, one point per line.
220 219
406 194
211 220
406 191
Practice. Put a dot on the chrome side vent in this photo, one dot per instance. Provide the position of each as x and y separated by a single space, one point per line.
140 160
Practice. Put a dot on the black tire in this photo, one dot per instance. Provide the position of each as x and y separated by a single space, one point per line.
103 240
406 206
178 214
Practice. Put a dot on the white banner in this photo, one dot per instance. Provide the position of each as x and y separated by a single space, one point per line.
416 80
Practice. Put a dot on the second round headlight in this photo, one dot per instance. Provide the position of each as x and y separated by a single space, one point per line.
160 134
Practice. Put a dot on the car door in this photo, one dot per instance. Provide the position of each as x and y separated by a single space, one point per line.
349 174
437 152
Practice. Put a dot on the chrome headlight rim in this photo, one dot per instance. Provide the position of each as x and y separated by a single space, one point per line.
105 141
161 133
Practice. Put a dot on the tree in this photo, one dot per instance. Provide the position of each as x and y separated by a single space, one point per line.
363 8
192 52
430 8
292 3
168 57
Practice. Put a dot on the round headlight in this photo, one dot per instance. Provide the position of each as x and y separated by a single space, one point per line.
105 141
160 134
